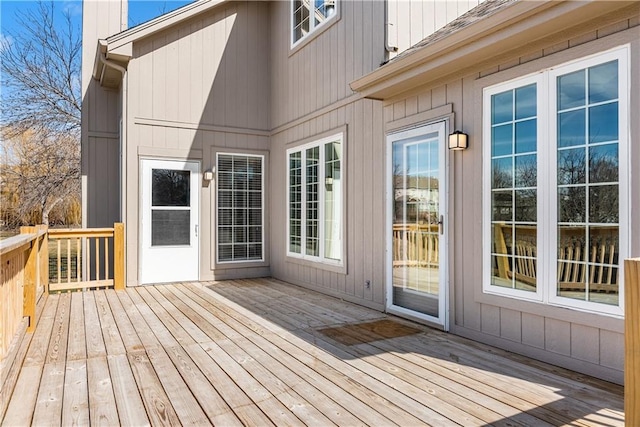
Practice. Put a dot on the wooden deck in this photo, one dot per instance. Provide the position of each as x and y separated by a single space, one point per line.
262 352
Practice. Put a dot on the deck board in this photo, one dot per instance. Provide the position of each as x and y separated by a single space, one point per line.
251 352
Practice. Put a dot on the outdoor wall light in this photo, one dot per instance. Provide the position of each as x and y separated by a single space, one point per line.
458 141
208 175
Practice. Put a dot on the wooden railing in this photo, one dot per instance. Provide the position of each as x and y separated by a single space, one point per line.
415 245
40 261
87 258
24 275
632 342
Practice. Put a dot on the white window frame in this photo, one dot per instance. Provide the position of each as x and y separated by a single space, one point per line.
547 211
339 137
313 28
262 210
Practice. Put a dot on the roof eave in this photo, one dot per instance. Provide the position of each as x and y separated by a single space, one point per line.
518 24
160 23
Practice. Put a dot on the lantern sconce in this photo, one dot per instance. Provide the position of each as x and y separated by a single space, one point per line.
458 141
208 175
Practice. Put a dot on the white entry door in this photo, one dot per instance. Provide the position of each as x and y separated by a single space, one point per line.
416 212
169 248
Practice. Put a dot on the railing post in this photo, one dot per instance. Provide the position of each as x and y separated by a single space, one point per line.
632 342
44 259
30 279
118 256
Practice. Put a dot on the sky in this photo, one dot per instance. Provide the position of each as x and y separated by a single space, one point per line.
139 11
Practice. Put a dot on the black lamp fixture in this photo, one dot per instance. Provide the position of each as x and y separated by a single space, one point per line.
458 141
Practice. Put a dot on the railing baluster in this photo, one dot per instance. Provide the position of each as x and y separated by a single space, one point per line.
87 253
106 258
68 260
97 258
78 259
59 262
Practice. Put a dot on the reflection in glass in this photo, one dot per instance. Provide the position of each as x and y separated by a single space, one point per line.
313 199
571 128
588 272
416 210
526 174
526 102
572 204
295 202
571 90
502 107
170 187
603 82
571 166
514 259
526 205
501 173
332 201
526 136
603 204
502 205
603 163
603 123
502 140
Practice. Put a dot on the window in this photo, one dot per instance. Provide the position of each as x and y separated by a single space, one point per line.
315 188
240 207
309 15
555 204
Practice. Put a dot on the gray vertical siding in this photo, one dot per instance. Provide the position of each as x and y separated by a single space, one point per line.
195 89
100 119
581 341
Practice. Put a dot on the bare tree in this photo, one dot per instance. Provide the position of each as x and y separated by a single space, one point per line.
40 106
41 72
41 171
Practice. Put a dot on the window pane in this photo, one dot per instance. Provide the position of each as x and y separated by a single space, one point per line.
526 207
603 123
170 227
234 229
526 136
524 262
571 128
502 107
501 238
572 204
603 204
603 82
502 206
170 187
501 271
571 90
332 202
295 202
603 163
526 102
502 140
225 180
526 173
501 173
571 166
300 19
313 197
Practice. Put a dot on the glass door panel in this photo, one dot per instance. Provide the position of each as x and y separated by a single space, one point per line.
416 239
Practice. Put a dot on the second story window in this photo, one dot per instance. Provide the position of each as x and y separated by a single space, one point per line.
309 15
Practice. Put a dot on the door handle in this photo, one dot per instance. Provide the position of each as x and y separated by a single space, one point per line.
196 230
441 224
